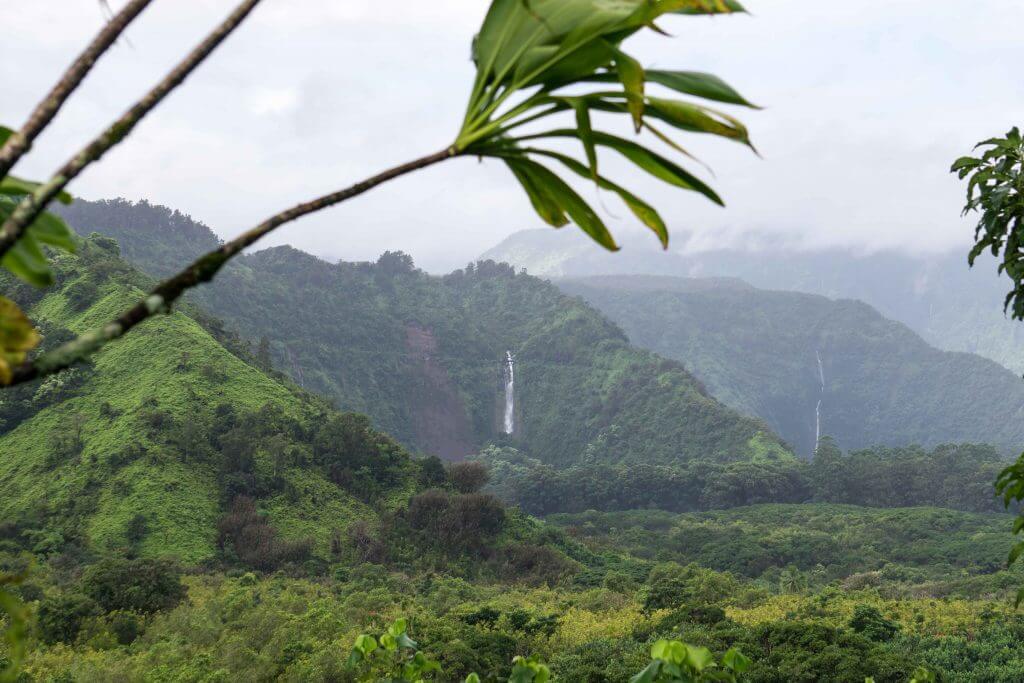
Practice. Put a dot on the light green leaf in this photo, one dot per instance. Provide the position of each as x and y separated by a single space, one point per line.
631 75
641 209
703 85
586 132
12 185
544 203
650 161
572 204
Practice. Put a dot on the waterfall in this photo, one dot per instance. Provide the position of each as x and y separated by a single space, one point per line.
817 409
510 395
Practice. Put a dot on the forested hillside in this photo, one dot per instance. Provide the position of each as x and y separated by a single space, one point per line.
777 354
421 355
952 307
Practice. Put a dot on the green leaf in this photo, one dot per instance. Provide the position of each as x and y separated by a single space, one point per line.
398 627
735 660
5 133
699 658
28 262
707 6
473 678
631 75
544 203
12 185
697 119
649 674
366 644
641 209
650 161
703 85
17 337
571 203
586 132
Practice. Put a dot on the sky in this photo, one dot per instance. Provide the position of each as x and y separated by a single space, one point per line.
866 104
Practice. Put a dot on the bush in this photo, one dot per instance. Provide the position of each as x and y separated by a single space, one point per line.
457 522
61 617
870 623
535 564
468 477
254 541
141 585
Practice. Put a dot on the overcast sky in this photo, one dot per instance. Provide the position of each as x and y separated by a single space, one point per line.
867 104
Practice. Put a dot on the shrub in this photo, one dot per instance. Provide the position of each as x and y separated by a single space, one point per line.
535 564
432 472
870 623
142 585
457 522
468 477
61 617
254 541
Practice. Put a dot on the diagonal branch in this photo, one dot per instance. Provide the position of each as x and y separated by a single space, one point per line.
21 142
201 270
34 204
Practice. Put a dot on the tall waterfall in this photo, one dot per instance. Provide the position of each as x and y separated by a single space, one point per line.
510 394
817 409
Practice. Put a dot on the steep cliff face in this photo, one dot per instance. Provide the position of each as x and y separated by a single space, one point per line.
440 423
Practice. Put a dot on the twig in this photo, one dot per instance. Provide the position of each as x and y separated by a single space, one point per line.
201 270
21 142
34 204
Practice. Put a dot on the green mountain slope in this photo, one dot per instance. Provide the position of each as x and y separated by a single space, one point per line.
952 307
422 355
759 351
96 454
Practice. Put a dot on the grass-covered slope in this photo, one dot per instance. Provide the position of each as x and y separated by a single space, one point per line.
97 455
758 351
422 356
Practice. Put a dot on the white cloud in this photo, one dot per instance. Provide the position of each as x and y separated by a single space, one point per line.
867 104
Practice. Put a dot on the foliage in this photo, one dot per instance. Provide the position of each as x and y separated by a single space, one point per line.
61 617
757 351
140 585
995 190
538 50
14 617
954 476
678 662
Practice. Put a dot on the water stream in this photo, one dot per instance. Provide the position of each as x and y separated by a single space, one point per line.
510 394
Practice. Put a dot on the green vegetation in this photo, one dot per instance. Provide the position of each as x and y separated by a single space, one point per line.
958 477
758 352
421 355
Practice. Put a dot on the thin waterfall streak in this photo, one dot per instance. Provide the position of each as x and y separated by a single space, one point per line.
510 395
817 409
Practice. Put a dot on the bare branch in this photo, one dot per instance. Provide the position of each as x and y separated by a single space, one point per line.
21 142
201 270
34 204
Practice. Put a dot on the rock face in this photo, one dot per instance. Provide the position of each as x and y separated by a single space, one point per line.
439 417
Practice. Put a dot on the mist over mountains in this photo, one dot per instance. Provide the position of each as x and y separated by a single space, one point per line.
951 306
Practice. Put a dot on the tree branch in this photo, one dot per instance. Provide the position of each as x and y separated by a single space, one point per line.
32 205
201 270
21 142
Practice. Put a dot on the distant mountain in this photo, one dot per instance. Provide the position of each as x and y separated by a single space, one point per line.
422 355
807 364
951 306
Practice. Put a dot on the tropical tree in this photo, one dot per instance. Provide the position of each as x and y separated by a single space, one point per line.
995 191
543 67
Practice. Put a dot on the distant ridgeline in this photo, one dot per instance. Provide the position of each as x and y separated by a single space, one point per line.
424 356
951 306
809 365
